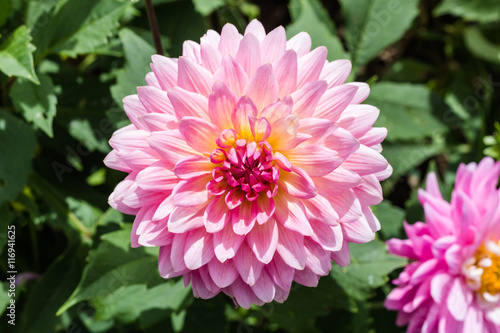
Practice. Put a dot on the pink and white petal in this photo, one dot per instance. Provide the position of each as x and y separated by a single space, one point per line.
263 240
222 273
191 192
165 264
232 74
315 160
248 55
210 56
291 214
369 192
318 259
358 119
275 111
474 320
342 257
171 146
216 215
306 277
200 289
273 45
152 81
310 66
328 237
188 104
194 77
291 248
262 87
337 182
285 70
315 127
281 273
239 116
373 136
256 28
158 122
284 135
229 40
336 72
113 161
165 208
199 134
440 284
300 43
157 177
260 127
220 105
244 295
247 265
297 183
244 217
191 50
358 231
198 249
362 92
129 140
347 206
134 110
165 70
265 208
184 219
334 101
227 243
319 209
207 280
177 252
458 299
139 159
365 161
264 288
193 166
307 98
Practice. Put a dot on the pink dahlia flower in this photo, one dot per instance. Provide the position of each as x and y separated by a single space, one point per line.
453 283
251 164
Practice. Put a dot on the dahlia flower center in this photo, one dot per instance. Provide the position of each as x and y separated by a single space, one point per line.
246 167
486 266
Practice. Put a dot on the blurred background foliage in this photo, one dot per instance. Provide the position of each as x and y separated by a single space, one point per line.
65 65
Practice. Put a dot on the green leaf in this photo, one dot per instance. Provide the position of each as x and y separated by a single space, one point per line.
7 217
82 130
370 265
408 70
311 17
137 59
112 265
299 312
36 102
79 27
127 302
39 315
406 110
16 55
479 46
5 9
372 25
405 157
206 7
17 145
390 217
484 11
4 297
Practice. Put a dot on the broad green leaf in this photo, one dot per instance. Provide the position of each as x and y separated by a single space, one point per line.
406 110
17 145
299 312
370 265
137 59
5 9
79 27
390 217
112 265
127 302
484 11
36 102
480 46
39 315
405 157
38 12
92 139
372 25
16 55
206 7
311 17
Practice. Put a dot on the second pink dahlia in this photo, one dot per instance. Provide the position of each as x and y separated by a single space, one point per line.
251 164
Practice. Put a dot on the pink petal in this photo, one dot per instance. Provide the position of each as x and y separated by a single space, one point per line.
318 260
273 45
334 102
165 264
222 273
358 119
307 98
337 182
440 284
343 256
310 65
159 122
278 110
365 161
247 265
265 208
284 135
320 209
157 177
281 273
301 43
306 277
239 116
186 103
244 217
184 219
165 70
248 55
264 288
199 134
373 136
191 192
315 127
244 295
342 141
220 105
260 127
256 28
227 243
134 110
315 160
347 206
297 183
330 238
164 209
263 240
362 92
458 299
232 74
198 249
336 72
216 215
285 70
194 77
291 248
177 253
191 50
193 166
291 214
262 87
229 40
170 146
210 55
358 231
369 192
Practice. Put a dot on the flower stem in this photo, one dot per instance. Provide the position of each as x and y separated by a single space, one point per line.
154 26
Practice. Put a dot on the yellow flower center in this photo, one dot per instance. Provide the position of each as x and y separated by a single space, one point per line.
490 263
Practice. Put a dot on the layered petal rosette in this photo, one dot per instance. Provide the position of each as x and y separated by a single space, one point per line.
251 164
453 283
